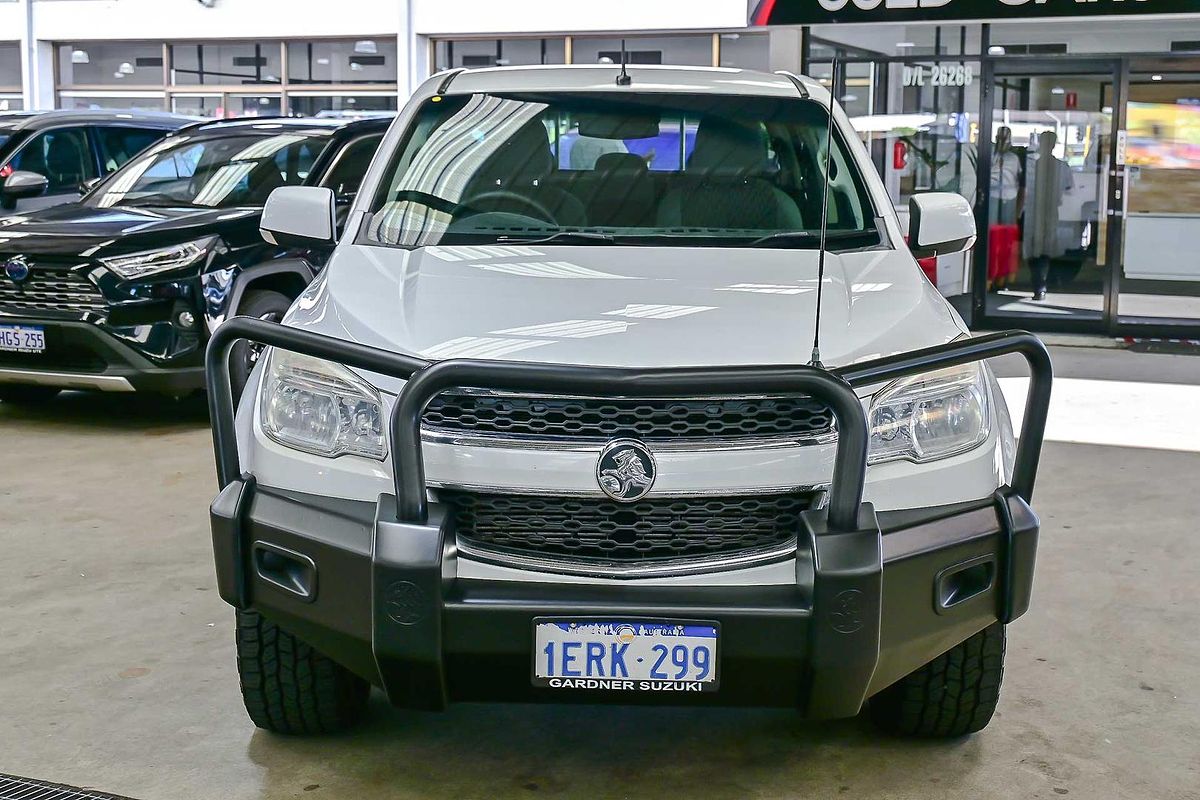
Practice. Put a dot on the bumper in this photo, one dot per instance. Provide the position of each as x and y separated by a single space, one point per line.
80 355
383 598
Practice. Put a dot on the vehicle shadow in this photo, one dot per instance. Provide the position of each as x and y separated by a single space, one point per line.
147 413
493 751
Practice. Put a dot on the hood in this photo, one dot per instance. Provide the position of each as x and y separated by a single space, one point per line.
626 306
79 230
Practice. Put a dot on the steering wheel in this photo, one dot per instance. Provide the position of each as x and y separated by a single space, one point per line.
471 204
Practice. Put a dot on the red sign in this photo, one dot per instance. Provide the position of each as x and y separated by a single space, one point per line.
899 155
1072 100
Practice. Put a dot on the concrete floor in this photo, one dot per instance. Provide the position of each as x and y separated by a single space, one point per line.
117 663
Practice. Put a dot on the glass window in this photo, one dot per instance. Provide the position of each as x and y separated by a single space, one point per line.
118 145
450 53
126 102
110 64
225 64
360 61
894 40
351 165
199 105
341 105
700 170
219 172
62 156
11 103
258 105
746 50
681 50
10 65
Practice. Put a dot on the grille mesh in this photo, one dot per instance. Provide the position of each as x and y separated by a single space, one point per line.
597 529
50 290
648 420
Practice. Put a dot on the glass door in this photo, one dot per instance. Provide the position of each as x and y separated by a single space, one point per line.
1047 259
1160 273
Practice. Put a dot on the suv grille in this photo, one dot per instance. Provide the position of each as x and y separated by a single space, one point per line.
648 420
51 290
601 530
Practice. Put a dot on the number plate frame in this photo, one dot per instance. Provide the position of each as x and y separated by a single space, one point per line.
22 332
639 684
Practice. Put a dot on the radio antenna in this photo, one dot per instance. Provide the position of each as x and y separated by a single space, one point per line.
623 79
816 351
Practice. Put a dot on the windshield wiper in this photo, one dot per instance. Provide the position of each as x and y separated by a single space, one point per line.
573 237
806 237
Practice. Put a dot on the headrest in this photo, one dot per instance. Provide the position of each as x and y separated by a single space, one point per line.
620 162
727 148
524 158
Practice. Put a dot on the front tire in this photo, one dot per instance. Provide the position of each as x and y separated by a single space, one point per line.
953 695
27 395
261 304
290 688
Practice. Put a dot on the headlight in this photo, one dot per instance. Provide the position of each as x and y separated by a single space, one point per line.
930 416
139 265
320 407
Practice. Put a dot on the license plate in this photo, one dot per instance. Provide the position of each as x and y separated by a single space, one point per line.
626 655
22 338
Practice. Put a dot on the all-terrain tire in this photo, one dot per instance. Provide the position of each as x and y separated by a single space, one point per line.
953 695
21 394
290 688
243 356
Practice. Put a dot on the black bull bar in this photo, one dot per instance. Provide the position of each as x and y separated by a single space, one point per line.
845 531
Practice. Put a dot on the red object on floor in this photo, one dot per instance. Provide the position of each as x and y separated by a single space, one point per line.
928 266
1003 251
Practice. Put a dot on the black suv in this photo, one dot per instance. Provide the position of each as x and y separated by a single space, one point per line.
47 156
121 290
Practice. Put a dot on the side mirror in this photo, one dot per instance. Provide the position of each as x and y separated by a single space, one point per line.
23 184
939 224
89 184
300 216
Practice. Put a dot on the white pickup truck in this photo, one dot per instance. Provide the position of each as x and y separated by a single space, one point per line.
550 427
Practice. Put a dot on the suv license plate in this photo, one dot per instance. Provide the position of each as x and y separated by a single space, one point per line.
22 338
626 655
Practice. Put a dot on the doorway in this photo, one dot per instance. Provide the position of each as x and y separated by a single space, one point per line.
1048 251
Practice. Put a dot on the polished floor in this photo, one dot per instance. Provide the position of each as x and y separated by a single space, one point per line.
116 656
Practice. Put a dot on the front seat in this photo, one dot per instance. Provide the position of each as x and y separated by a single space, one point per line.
65 160
727 185
622 192
521 166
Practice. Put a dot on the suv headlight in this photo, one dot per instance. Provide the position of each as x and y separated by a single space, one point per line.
930 416
320 407
149 262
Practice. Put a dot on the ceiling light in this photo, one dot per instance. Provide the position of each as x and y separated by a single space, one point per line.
264 101
118 75
1058 90
366 47
80 57
324 62
126 68
996 50
351 101
905 44
1156 77
848 98
355 66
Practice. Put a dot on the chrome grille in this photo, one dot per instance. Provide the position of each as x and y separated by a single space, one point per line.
648 420
54 289
588 529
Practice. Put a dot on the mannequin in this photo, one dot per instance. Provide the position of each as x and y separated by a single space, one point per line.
1049 178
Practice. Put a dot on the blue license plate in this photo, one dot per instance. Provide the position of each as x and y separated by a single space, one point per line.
22 338
626 655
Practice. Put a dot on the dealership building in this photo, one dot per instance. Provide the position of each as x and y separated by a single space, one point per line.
979 97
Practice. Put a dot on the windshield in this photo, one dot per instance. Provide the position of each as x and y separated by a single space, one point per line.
701 170
240 169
